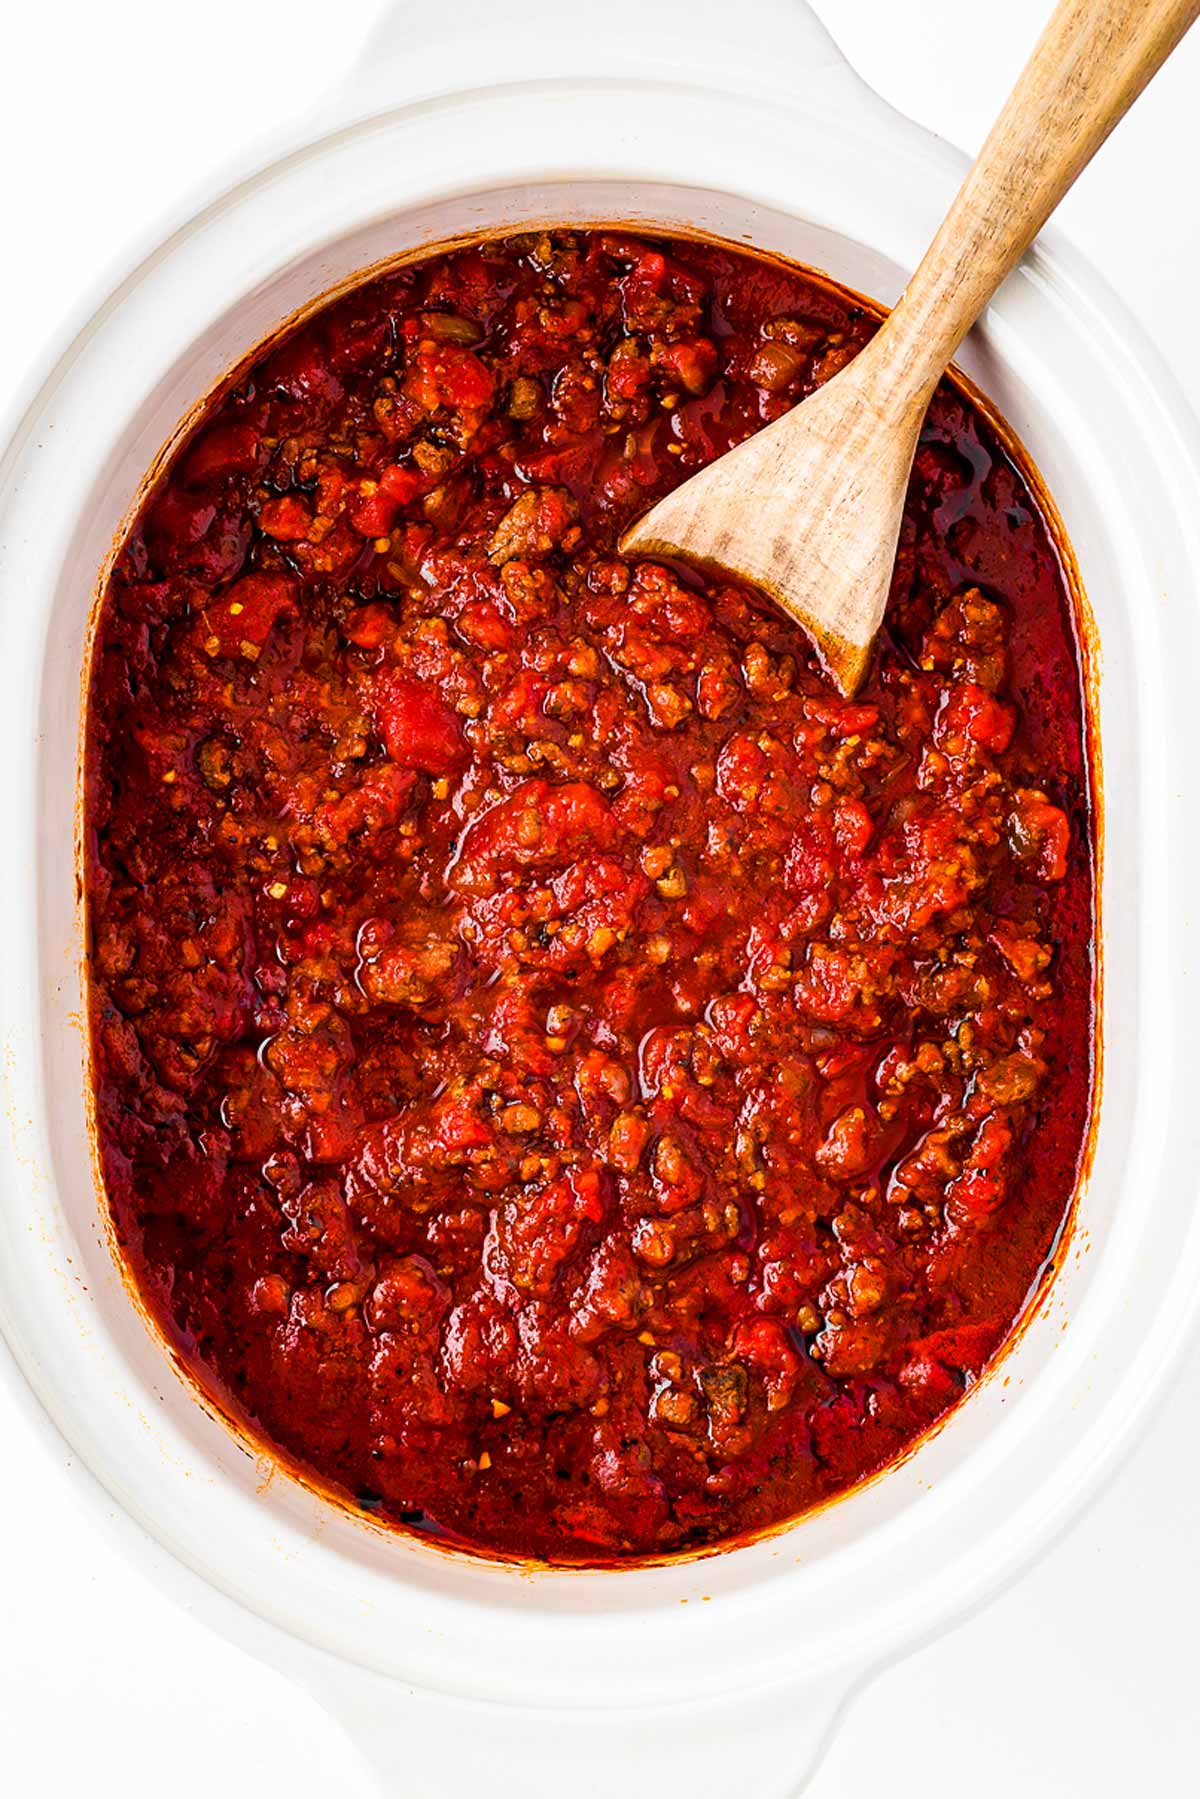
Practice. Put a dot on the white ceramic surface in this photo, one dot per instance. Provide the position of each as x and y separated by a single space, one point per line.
685 143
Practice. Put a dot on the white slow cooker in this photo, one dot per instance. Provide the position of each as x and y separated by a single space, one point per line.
705 1677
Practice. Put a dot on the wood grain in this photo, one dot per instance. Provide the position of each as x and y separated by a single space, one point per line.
809 509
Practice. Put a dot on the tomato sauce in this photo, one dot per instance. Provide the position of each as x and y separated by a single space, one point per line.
565 1077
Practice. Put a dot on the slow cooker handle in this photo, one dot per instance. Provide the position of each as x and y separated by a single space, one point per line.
764 46
425 1746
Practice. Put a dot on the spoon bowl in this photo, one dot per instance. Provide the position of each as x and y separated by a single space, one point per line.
808 510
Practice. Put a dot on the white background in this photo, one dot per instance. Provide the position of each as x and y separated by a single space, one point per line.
1082 1680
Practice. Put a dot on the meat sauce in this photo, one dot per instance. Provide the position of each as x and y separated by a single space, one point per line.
564 1076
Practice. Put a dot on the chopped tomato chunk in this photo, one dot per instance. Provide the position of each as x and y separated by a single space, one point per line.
240 622
418 729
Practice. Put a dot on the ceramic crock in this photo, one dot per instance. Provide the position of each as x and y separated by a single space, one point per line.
456 1676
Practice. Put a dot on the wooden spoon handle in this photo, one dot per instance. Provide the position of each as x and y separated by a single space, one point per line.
1090 65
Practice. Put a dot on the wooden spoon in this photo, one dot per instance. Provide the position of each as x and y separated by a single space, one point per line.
809 509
